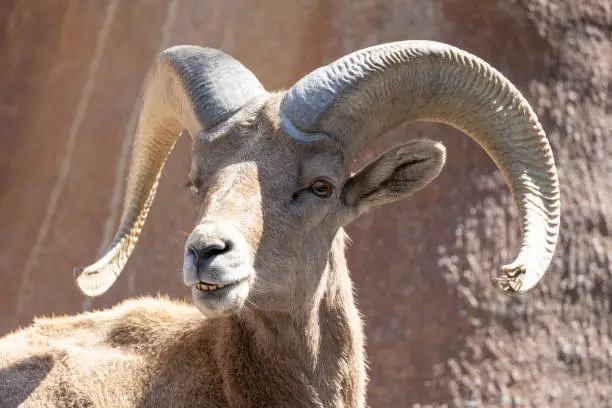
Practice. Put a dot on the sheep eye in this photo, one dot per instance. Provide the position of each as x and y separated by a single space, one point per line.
193 186
322 188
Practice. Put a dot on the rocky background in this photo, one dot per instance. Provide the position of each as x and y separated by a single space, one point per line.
71 72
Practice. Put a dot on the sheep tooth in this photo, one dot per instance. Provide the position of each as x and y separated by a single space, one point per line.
209 286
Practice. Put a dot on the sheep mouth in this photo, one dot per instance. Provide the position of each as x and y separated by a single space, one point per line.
215 299
212 287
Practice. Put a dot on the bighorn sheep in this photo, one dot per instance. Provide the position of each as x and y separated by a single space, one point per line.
274 322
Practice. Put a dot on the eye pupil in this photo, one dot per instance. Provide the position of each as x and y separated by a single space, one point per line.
322 188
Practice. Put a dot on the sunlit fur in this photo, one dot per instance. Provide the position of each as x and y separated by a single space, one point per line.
296 341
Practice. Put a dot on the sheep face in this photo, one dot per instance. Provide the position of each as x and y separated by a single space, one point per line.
270 207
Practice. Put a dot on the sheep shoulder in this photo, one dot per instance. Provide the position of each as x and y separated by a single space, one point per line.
116 357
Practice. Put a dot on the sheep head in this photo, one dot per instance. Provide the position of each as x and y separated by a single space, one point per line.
270 171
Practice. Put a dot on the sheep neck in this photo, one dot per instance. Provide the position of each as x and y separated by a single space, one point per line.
315 354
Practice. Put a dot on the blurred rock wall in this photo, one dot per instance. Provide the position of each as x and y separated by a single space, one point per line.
71 73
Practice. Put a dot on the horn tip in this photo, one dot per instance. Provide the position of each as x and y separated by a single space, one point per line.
76 272
93 282
516 278
509 282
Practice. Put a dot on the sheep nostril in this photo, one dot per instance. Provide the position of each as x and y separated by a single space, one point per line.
192 253
208 251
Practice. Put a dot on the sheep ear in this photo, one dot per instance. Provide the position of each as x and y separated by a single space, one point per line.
395 175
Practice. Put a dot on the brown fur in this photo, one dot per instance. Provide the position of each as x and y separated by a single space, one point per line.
296 342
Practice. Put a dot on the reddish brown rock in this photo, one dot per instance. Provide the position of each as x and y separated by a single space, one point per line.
437 333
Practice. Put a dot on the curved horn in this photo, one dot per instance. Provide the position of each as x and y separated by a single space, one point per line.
368 92
188 87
